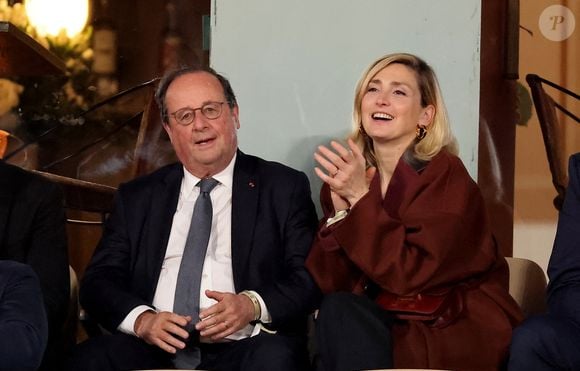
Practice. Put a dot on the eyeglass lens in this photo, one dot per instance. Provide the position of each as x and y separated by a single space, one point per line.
210 111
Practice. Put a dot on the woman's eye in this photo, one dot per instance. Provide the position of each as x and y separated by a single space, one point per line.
371 89
399 92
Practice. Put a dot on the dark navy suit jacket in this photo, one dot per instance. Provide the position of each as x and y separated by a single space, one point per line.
23 325
273 224
32 231
564 267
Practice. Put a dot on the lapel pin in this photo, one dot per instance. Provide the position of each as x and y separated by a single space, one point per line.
251 184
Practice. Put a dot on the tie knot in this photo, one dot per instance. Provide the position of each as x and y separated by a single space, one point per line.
207 184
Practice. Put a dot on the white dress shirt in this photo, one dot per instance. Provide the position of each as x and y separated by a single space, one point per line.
217 272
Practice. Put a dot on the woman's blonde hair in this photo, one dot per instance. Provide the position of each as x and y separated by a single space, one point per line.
439 133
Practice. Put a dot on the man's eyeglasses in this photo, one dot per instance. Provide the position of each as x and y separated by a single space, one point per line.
210 111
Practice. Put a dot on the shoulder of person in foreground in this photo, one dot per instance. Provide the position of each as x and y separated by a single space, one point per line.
26 183
23 323
36 235
564 266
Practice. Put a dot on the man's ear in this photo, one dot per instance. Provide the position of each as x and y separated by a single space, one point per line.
168 130
236 115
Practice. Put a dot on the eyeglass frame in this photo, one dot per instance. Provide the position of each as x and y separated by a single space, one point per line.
220 105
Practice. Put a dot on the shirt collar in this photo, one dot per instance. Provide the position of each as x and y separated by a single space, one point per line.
225 177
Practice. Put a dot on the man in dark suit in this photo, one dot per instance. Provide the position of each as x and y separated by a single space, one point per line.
552 341
254 291
32 231
23 326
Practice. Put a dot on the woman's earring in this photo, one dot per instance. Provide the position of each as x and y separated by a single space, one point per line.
421 131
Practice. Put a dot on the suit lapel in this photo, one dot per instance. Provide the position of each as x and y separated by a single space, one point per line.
163 206
246 188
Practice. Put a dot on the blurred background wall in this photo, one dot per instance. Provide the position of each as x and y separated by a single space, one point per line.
550 48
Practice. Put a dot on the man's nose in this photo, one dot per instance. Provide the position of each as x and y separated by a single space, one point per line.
199 122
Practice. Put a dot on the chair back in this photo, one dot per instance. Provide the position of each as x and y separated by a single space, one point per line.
87 205
527 285
72 318
83 196
148 139
553 132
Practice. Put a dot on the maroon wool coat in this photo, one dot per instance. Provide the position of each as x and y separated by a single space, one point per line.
430 232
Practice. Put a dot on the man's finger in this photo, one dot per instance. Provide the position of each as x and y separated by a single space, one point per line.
171 341
175 318
210 312
174 329
217 295
163 345
216 330
210 330
227 328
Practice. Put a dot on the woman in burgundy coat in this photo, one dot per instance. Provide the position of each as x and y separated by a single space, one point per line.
412 274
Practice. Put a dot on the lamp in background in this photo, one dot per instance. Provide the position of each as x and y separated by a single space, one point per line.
3 142
51 17
59 26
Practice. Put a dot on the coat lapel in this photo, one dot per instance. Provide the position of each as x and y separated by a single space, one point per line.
246 189
163 206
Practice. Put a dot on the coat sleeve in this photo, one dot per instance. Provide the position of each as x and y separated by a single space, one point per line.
327 262
23 324
564 266
429 231
293 293
48 254
106 291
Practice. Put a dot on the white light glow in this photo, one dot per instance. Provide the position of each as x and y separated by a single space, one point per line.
51 16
